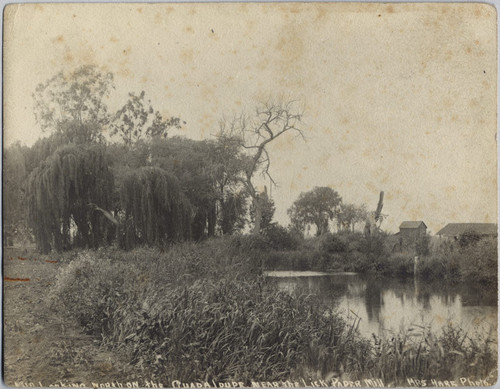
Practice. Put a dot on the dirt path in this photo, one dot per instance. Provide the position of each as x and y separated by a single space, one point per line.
42 347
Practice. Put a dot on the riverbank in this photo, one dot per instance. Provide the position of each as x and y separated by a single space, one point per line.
377 254
203 311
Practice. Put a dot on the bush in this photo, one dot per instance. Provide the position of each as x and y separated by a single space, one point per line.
476 262
86 289
358 262
479 261
334 243
280 238
433 267
248 243
422 246
374 246
96 282
468 238
397 264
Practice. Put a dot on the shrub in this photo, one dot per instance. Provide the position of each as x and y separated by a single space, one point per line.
358 262
433 267
248 243
374 246
334 243
479 261
468 238
280 238
86 289
422 246
400 264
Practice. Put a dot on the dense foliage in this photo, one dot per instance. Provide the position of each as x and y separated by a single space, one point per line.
377 254
60 192
200 192
317 207
156 211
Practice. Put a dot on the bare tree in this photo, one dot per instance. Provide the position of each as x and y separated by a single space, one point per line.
254 133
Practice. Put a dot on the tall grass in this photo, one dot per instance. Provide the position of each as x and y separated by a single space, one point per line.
203 312
417 352
221 327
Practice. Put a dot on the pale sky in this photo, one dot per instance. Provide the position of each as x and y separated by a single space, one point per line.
398 97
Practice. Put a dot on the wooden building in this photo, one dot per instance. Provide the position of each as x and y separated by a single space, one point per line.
454 230
411 231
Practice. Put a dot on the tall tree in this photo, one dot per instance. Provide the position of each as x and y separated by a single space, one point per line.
74 103
59 193
254 135
317 207
191 162
138 120
349 215
156 211
232 212
226 165
267 210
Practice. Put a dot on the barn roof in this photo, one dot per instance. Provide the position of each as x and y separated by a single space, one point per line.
412 224
456 229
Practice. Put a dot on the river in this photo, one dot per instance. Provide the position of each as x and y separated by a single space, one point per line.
385 304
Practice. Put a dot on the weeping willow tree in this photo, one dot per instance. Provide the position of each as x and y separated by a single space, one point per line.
59 193
156 210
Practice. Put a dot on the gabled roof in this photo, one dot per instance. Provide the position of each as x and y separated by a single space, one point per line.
456 229
412 224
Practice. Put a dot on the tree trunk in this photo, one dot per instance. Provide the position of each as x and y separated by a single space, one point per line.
258 215
319 228
212 219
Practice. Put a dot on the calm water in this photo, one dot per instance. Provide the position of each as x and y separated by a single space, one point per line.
385 304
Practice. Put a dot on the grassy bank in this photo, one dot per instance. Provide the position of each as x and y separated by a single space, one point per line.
378 254
200 312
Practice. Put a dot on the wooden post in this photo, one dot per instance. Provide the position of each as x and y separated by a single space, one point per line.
415 277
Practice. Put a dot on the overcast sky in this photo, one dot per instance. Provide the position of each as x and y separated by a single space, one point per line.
400 98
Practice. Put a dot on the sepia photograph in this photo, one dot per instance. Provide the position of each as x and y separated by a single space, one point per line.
263 195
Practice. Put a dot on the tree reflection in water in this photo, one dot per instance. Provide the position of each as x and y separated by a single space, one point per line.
384 303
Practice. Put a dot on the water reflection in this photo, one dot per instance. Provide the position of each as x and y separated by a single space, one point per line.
385 304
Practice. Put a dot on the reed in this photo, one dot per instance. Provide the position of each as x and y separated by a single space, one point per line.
200 312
